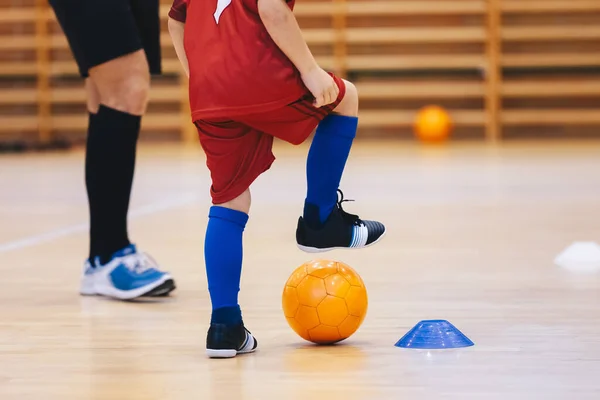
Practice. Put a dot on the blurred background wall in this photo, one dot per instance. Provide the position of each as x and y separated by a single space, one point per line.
504 69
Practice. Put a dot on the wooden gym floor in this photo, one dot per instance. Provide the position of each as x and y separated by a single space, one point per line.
472 234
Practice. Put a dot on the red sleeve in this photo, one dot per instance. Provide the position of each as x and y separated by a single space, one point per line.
178 10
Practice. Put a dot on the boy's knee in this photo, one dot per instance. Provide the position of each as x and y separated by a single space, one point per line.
349 104
240 203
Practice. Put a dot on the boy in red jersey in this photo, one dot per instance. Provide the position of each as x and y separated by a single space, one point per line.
253 78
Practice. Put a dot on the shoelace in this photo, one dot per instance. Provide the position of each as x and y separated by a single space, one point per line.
353 219
140 263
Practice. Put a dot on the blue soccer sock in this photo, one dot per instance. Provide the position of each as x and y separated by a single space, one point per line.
223 257
325 165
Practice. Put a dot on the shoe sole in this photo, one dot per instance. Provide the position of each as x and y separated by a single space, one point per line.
226 353
158 288
221 353
230 353
313 250
163 290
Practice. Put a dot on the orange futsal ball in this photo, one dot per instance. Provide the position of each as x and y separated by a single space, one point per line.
324 301
433 124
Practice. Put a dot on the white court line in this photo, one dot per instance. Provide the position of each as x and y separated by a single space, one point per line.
69 230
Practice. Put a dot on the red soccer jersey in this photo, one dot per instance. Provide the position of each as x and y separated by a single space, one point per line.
235 67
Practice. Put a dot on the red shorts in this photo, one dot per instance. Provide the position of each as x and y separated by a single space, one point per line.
239 150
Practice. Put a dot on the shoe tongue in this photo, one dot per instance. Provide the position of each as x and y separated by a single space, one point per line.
126 251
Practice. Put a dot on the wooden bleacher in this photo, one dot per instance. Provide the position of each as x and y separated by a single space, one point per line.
551 59
504 68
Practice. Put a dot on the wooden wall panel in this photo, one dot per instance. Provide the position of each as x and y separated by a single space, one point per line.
499 66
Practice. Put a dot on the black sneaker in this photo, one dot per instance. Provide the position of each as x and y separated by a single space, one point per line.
341 231
225 341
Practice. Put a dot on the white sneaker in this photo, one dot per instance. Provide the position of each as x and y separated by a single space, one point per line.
128 275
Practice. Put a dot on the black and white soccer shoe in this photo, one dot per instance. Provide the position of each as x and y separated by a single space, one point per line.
342 230
225 341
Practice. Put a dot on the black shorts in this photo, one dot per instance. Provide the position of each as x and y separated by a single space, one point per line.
102 30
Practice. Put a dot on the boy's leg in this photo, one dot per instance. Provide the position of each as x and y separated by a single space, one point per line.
223 256
236 156
327 158
324 225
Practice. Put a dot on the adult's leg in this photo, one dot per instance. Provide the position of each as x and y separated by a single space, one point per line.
118 93
104 36
92 96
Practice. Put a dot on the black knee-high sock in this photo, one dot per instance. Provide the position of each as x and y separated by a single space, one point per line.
109 167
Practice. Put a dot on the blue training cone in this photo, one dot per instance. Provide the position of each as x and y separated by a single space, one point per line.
434 334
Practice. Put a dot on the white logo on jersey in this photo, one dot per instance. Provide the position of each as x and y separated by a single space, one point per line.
221 6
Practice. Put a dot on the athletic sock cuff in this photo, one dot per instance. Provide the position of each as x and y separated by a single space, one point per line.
237 217
339 125
120 117
228 315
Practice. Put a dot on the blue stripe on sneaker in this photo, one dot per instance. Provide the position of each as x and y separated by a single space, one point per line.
125 279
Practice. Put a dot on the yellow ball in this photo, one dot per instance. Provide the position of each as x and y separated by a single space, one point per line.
324 301
433 124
